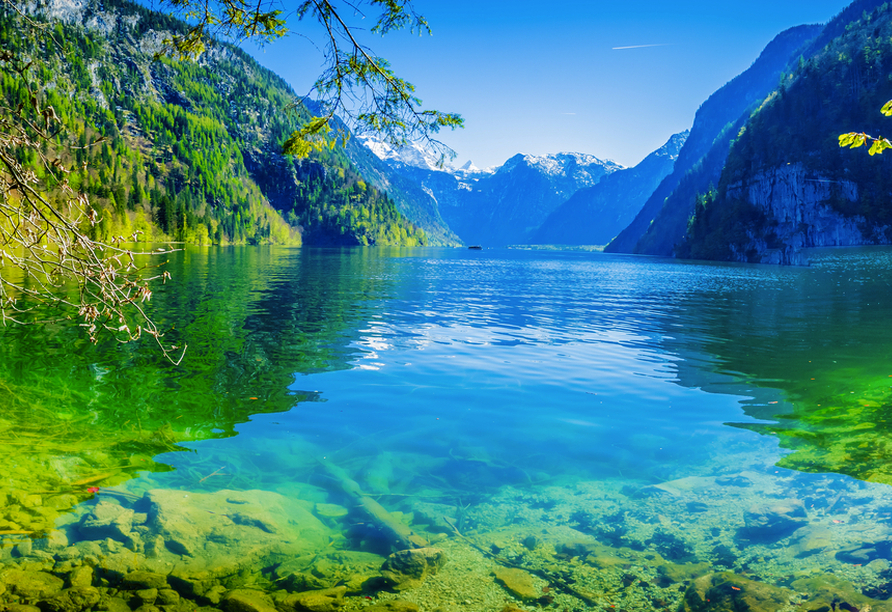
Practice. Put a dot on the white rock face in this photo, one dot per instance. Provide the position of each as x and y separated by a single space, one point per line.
797 203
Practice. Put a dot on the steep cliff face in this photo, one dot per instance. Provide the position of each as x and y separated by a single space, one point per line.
786 184
661 222
594 215
799 212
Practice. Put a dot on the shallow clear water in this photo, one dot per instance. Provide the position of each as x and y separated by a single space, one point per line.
652 411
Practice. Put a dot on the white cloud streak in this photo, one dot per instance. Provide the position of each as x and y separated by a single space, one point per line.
642 46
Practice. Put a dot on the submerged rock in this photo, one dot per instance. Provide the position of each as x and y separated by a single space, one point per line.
834 593
394 605
865 553
75 599
228 530
325 600
31 585
408 568
772 521
728 592
517 582
109 520
247 600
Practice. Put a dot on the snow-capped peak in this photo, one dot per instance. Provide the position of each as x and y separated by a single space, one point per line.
414 154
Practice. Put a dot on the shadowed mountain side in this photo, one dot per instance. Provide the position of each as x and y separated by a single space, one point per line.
416 203
714 118
787 184
595 215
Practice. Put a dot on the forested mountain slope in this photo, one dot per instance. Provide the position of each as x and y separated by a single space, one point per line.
700 159
594 215
189 151
787 184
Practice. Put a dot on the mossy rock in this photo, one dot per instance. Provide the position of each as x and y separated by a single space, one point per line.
728 592
517 582
830 592
31 585
409 568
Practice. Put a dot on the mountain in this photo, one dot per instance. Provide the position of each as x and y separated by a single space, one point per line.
411 199
594 215
662 220
187 151
505 205
787 184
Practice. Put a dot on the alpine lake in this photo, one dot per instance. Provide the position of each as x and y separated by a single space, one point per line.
449 430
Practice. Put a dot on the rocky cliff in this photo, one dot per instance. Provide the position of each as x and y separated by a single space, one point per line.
662 220
786 183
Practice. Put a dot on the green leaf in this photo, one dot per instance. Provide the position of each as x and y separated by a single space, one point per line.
887 109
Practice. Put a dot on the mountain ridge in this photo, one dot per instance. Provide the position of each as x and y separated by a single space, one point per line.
594 215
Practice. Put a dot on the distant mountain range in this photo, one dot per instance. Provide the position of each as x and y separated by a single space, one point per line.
499 206
595 215
192 152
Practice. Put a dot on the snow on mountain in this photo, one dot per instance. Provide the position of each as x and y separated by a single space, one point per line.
415 155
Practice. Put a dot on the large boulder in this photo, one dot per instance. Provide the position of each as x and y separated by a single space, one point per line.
772 521
31 585
228 530
728 592
517 582
409 568
323 600
247 600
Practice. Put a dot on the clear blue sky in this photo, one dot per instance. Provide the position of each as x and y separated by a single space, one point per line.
544 77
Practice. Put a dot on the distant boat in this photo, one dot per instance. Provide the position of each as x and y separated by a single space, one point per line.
475 247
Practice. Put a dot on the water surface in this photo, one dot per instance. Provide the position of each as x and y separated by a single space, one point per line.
614 426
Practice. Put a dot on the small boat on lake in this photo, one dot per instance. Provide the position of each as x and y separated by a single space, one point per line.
475 247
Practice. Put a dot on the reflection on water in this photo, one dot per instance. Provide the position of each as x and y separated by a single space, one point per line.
557 424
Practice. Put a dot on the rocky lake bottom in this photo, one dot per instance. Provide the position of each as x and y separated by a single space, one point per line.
759 538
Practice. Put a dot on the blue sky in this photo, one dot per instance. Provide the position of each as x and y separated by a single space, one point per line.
545 77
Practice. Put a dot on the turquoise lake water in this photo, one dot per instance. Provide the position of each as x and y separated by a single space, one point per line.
614 426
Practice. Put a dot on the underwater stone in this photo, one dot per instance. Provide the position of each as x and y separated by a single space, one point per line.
835 593
394 605
229 530
168 597
145 596
55 540
435 515
325 600
865 553
531 542
112 604
23 549
408 568
517 582
74 599
107 520
81 576
331 510
773 521
727 592
813 541
144 580
247 600
31 585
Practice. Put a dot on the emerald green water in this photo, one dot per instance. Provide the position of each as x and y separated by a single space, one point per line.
580 416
